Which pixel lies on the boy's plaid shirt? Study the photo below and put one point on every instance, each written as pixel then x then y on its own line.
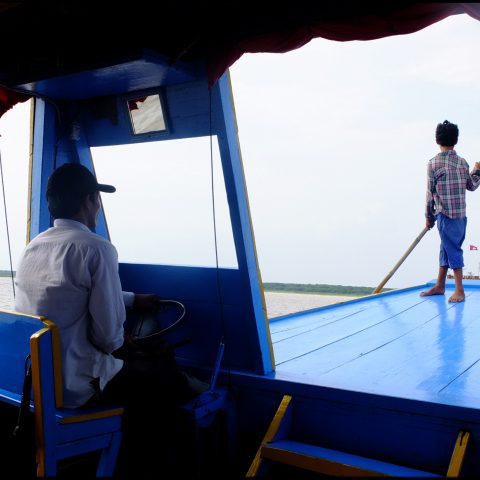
pixel 448 178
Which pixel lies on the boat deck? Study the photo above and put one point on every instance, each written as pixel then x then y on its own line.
pixel 395 344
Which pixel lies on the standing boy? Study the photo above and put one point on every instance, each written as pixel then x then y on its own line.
pixel 448 179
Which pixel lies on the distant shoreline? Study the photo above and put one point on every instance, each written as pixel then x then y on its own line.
pixel 324 294
pixel 307 288
pixel 319 289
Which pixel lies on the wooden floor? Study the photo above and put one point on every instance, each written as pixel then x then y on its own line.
pixel 395 344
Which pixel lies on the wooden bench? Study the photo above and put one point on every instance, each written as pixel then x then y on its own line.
pixel 60 433
pixel 277 447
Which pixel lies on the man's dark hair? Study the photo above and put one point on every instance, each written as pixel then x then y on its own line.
pixel 446 134
pixel 65 205
pixel 67 188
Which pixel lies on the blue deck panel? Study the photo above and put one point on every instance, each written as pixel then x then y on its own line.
pixel 396 344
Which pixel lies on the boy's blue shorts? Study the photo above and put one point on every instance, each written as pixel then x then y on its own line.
pixel 452 234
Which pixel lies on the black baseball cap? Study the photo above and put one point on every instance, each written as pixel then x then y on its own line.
pixel 76 179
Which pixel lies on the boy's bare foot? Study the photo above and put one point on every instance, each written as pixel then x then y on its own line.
pixel 433 291
pixel 457 297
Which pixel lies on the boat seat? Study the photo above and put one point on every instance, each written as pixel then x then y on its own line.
pixel 278 447
pixel 60 433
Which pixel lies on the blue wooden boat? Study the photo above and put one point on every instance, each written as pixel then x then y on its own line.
pixel 388 384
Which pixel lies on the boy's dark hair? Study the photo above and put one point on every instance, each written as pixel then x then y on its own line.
pixel 446 134
pixel 67 188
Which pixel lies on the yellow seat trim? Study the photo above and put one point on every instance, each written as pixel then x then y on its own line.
pixel 271 432
pixel 458 454
pixel 85 417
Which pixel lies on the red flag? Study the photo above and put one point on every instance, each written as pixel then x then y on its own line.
pixel 473 247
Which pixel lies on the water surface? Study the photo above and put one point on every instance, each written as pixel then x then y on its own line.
pixel 278 303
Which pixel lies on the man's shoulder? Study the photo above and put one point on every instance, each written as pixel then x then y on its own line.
pixel 90 238
pixel 72 236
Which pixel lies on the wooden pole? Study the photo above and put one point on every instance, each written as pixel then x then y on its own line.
pixel 405 255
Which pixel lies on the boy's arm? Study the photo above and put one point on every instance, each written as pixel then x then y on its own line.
pixel 430 203
pixel 473 181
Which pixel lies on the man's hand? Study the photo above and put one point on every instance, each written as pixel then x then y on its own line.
pixel 146 302
pixel 129 346
pixel 429 222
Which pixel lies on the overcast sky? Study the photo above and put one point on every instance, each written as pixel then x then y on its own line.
pixel 335 139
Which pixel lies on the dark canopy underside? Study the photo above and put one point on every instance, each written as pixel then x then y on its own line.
pixel 40 40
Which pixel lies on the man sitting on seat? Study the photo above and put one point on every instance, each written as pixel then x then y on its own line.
pixel 70 275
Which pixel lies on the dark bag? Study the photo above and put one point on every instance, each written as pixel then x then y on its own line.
pixel 22 428
pixel 19 449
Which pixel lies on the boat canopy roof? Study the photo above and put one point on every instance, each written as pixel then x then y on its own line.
pixel 44 40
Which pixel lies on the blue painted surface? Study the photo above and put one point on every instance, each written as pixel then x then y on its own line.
pixel 15 331
pixel 400 345
pixel 358 371
pixel 242 227
pixel 187 115
pixel 44 158
pixel 146 70
pixel 215 308
pixel 192 109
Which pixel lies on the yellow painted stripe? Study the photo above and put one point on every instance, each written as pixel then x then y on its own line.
pixel 265 314
pixel 20 314
pixel 264 307
pixel 30 170
pixel 38 400
pixel 57 362
pixel 315 464
pixel 458 454
pixel 112 412
pixel 271 432
pixel 40 458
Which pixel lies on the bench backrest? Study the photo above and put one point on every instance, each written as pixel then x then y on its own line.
pixel 59 433
pixel 15 332
pixel 21 335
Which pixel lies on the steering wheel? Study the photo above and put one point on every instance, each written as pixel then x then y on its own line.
pixel 144 327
